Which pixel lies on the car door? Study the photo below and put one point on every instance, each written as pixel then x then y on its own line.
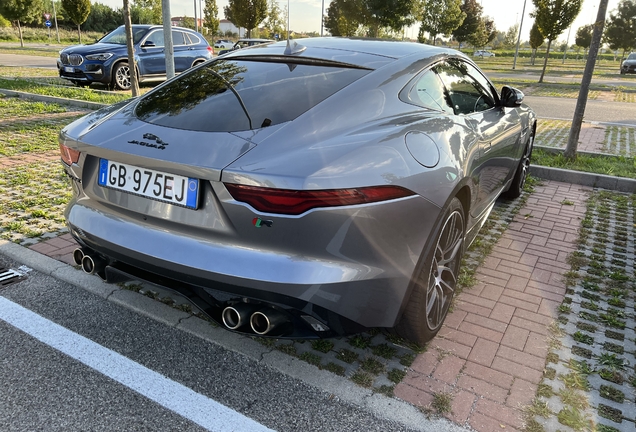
pixel 497 128
pixel 182 51
pixel 152 59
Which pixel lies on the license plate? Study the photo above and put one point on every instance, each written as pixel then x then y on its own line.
pixel 157 185
pixel 69 69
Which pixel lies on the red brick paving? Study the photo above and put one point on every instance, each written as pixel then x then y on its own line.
pixel 491 351
pixel 498 330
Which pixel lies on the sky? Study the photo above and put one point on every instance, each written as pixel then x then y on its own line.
pixel 305 15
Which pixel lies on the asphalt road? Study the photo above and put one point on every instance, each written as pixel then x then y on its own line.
pixel 27 61
pixel 71 360
pixel 595 111
pixel 617 81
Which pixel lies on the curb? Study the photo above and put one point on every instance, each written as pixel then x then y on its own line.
pixel 54 99
pixel 602 181
pixel 391 409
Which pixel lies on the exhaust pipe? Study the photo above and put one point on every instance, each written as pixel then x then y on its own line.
pixel 92 264
pixel 266 320
pixel 78 256
pixel 237 315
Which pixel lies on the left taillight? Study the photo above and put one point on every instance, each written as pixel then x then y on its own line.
pixel 295 202
pixel 69 156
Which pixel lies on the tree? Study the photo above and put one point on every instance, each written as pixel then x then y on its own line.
pixel 536 40
pixel 20 10
pixel 621 27
pixel 471 24
pixel 441 17
pixel 146 11
pixel 393 14
pixel 246 13
pixel 581 102
pixel 274 23
pixel 510 38
pixel 345 17
pixel 553 17
pixel 211 16
pixel 583 37
pixel 103 19
pixel 491 30
pixel 77 11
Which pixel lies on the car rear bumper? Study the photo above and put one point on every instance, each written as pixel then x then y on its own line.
pixel 370 294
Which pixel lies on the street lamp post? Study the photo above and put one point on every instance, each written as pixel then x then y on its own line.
pixel 514 63
pixel 322 17
pixel 567 42
pixel 196 23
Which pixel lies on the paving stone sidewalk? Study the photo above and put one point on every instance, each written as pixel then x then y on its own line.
pixel 491 351
pixel 594 137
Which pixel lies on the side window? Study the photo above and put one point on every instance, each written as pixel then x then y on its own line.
pixel 486 86
pixel 466 94
pixel 428 92
pixel 193 39
pixel 156 37
pixel 177 38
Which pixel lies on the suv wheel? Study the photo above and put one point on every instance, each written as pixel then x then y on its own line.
pixel 121 76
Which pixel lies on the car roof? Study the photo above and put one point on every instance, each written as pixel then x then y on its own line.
pixel 255 40
pixel 160 26
pixel 356 51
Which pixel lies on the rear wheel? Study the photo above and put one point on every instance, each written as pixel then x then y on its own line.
pixel 522 171
pixel 121 76
pixel 436 282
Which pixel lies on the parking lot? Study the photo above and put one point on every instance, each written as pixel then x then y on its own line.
pixel 545 325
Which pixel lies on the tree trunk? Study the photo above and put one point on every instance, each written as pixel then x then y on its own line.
pixel 545 62
pixel 79 34
pixel 579 111
pixel 134 84
pixel 20 32
pixel 534 54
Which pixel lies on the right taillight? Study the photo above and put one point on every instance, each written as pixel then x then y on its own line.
pixel 295 202
pixel 69 156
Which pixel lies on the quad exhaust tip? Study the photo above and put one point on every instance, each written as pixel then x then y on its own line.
pixel 237 315
pixel 92 264
pixel 266 320
pixel 78 256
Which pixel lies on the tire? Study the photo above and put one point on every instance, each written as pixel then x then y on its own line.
pixel 519 180
pixel 435 282
pixel 121 76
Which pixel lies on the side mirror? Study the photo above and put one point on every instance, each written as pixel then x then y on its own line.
pixel 511 97
pixel 148 44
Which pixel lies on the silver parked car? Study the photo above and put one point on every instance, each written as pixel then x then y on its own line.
pixel 301 191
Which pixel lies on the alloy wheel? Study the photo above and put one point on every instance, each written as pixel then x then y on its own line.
pixel 444 270
pixel 525 162
pixel 122 77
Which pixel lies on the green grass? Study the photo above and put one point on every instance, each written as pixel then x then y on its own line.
pixel 32 136
pixel 84 94
pixel 33 200
pixel 619 166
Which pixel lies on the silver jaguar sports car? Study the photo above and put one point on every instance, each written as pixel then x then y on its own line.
pixel 302 190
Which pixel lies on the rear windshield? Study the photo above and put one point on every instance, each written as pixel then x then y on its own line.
pixel 235 95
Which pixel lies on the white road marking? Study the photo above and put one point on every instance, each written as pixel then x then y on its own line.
pixel 167 393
